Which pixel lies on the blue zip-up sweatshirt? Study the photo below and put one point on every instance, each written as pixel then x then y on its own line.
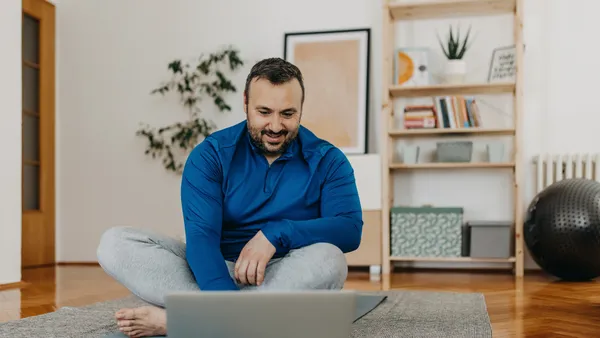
pixel 229 192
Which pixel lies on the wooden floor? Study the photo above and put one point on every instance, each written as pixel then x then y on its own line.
pixel 536 306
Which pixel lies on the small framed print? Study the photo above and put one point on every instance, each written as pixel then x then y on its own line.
pixel 411 67
pixel 503 65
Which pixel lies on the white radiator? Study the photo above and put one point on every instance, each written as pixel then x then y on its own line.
pixel 551 168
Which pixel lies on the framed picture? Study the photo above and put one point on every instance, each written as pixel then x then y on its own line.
pixel 503 65
pixel 411 67
pixel 335 67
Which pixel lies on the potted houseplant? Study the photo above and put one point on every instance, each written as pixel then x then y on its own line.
pixel 454 49
pixel 205 79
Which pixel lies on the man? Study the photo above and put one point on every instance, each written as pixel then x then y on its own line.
pixel 267 205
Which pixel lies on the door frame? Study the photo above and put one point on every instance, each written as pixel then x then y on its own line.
pixel 38 248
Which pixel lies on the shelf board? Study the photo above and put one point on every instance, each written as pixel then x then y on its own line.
pixel 465 165
pixel 453 259
pixel 452 89
pixel 451 131
pixel 450 8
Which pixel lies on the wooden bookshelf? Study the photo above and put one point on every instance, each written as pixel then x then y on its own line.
pixel 435 132
pixel 432 9
pixel 450 8
pixel 449 89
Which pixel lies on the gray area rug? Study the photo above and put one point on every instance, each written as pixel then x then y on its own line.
pixel 402 314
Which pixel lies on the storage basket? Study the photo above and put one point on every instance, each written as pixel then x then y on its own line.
pixel 489 239
pixel 459 151
pixel 426 231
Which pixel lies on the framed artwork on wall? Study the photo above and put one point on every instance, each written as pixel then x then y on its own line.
pixel 335 67
pixel 503 65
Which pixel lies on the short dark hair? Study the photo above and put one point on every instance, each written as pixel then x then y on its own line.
pixel 277 71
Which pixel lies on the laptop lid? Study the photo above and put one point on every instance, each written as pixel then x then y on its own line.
pixel 264 314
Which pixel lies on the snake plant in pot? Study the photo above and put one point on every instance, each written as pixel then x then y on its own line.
pixel 454 49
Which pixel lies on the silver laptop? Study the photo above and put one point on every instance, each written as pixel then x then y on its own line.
pixel 271 314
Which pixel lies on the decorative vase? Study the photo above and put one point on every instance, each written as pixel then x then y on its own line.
pixel 456 71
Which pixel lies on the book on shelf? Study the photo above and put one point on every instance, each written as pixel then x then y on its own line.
pixel 419 117
pixel 450 112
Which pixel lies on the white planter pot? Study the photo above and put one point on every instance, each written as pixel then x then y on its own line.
pixel 456 71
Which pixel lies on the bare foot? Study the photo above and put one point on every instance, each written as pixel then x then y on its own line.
pixel 142 321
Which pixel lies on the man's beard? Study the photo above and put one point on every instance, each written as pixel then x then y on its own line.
pixel 256 138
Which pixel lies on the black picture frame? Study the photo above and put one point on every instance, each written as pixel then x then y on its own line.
pixel 365 56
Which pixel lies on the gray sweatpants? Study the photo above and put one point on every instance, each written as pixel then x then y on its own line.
pixel 152 265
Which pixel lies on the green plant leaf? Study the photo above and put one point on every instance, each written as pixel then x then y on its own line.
pixel 175 66
pixel 464 46
pixel 442 46
pixel 451 44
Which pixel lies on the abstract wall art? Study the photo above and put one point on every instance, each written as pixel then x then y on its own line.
pixel 335 67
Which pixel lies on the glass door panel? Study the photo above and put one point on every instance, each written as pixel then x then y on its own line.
pixel 31 113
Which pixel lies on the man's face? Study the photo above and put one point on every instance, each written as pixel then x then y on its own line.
pixel 273 113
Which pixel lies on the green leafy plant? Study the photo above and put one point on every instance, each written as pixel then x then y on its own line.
pixel 454 50
pixel 204 79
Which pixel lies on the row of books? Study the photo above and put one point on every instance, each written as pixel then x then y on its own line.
pixel 445 112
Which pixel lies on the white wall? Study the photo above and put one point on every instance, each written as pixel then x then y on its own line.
pixel 108 65
pixel 572 117
pixel 10 141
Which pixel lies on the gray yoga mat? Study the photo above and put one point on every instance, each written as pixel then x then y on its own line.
pixel 365 303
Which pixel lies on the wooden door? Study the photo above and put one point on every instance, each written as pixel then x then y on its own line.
pixel 38 91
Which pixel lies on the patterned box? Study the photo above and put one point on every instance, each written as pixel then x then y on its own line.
pixel 426 231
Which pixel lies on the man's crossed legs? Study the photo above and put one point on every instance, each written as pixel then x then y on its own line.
pixel 152 265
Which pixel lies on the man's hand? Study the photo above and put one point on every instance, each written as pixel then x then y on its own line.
pixel 250 266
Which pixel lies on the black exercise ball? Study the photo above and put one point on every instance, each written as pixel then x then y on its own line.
pixel 562 229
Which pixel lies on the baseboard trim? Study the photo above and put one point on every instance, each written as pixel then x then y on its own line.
pixel 360 268
pixel 16 285
pixel 78 264
pixel 30 267
pixel 463 270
